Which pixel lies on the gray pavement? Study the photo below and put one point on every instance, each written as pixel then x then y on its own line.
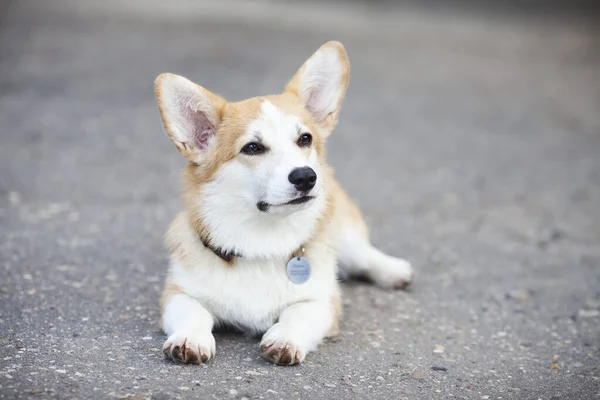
pixel 471 142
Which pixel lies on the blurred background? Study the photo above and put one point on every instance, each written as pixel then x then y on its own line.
pixel 470 137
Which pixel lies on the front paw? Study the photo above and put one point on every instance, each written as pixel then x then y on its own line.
pixel 279 349
pixel 190 348
pixel 281 352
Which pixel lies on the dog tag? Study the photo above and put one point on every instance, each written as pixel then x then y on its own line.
pixel 298 270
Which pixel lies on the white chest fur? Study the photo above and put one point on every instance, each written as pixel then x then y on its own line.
pixel 252 293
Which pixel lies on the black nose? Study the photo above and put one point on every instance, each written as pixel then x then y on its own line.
pixel 303 178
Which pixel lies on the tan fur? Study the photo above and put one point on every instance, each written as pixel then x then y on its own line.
pixel 183 243
pixel 336 308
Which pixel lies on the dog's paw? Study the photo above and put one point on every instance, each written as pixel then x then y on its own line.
pixel 190 348
pixel 279 348
pixel 281 352
pixel 394 273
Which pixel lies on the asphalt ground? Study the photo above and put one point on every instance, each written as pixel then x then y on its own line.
pixel 471 141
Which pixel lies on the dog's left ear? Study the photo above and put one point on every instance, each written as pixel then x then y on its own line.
pixel 321 84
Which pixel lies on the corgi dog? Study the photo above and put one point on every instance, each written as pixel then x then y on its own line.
pixel 264 224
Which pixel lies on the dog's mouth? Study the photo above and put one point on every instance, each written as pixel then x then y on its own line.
pixel 300 200
pixel 264 206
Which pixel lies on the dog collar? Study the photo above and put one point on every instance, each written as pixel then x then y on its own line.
pixel 226 256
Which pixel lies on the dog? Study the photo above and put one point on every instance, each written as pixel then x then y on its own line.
pixel 265 224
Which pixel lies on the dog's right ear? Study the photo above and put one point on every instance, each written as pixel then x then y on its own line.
pixel 190 114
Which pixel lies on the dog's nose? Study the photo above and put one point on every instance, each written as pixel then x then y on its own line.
pixel 303 178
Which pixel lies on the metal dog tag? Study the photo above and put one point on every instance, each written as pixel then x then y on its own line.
pixel 298 270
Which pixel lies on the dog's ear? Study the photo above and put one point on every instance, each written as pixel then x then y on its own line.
pixel 190 114
pixel 321 84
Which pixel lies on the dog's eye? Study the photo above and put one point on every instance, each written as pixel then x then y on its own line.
pixel 305 140
pixel 253 149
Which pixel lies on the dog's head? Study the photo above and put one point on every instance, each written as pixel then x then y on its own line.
pixel 261 157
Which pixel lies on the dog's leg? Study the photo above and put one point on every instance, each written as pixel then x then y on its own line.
pixel 189 327
pixel 300 329
pixel 357 256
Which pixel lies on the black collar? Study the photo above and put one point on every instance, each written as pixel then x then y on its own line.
pixel 226 256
